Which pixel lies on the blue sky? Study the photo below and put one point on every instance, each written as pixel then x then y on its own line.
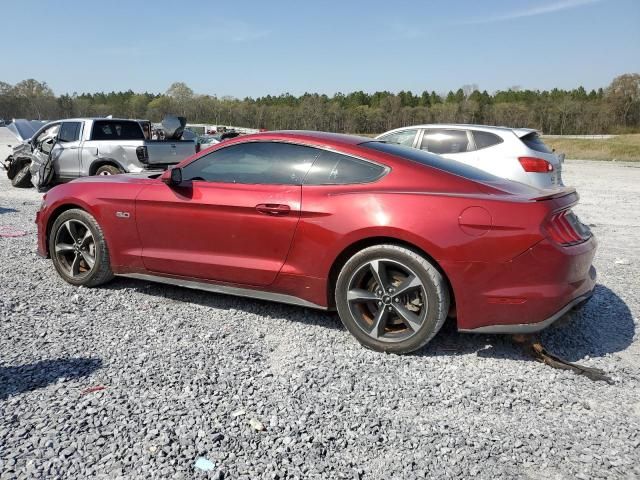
pixel 254 48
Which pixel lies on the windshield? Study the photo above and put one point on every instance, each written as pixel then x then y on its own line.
pixel 435 161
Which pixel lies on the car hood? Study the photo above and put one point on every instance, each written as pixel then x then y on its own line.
pixel 25 129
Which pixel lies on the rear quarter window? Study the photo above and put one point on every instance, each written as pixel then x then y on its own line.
pixel 485 139
pixel 430 160
pixel 534 142
pixel 116 130
pixel 331 168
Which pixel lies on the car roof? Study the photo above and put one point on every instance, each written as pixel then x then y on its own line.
pixel 98 118
pixel 520 132
pixel 308 136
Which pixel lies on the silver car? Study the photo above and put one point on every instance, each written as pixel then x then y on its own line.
pixel 515 153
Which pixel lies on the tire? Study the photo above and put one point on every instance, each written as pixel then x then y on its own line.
pixel 22 176
pixel 75 240
pixel 396 318
pixel 12 167
pixel 108 170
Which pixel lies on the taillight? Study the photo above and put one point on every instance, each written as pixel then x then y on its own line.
pixel 142 154
pixel 565 229
pixel 535 165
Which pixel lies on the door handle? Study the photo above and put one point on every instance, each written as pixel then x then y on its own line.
pixel 273 208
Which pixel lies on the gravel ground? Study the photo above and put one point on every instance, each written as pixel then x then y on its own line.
pixel 189 375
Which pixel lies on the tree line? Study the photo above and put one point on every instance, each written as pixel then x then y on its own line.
pixel 614 109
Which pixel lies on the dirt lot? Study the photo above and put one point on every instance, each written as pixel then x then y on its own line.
pixel 186 374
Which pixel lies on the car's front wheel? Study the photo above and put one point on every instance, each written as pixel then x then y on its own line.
pixel 108 170
pixel 391 298
pixel 78 249
pixel 21 174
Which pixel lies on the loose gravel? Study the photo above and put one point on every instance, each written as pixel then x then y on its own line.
pixel 139 380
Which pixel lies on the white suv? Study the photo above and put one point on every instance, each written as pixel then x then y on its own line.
pixel 518 154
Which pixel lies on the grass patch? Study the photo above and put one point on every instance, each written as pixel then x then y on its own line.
pixel 620 148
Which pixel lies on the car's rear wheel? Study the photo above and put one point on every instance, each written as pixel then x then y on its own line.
pixel 78 249
pixel 108 170
pixel 391 298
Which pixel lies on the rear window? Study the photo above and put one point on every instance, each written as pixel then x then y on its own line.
pixel 534 142
pixel 116 130
pixel 424 158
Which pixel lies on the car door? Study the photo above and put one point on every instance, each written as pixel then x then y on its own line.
pixel 456 144
pixel 66 151
pixel 43 144
pixel 233 220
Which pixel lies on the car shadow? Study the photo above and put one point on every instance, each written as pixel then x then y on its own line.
pixel 604 325
pixel 254 306
pixel 7 210
pixel 25 378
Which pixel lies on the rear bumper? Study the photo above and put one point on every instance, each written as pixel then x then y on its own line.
pixel 524 328
pixel 525 294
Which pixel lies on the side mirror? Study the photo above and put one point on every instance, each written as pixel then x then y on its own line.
pixel 173 177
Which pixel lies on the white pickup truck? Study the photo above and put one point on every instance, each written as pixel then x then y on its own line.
pixel 63 150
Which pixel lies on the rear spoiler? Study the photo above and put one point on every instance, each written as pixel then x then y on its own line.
pixel 569 192
pixel 523 132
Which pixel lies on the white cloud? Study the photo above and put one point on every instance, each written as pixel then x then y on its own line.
pixel 123 51
pixel 531 12
pixel 228 31
pixel 404 31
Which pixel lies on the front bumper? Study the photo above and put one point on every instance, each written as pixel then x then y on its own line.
pixel 41 249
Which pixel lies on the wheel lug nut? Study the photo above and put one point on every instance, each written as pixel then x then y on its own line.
pixel 379 303
pixel 390 309
pixel 396 300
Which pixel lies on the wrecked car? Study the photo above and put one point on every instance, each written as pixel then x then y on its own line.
pixel 14 137
pixel 63 150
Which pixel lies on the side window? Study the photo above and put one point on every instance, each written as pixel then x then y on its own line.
pixel 485 139
pixel 116 130
pixel 254 163
pixel 405 137
pixel 69 132
pixel 332 168
pixel 445 141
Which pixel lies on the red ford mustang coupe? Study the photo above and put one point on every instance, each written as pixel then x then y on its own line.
pixel 394 238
